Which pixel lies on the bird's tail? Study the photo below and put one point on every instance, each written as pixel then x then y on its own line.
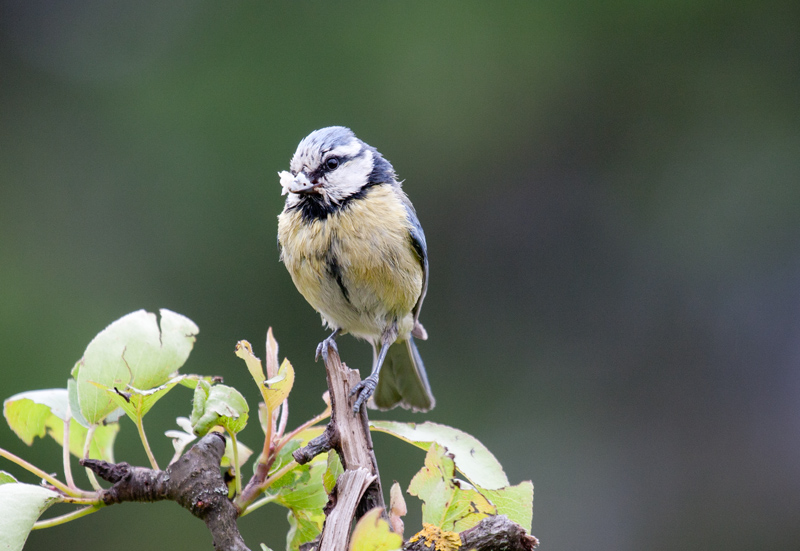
pixel 403 380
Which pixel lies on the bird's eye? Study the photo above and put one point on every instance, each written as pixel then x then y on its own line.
pixel 332 163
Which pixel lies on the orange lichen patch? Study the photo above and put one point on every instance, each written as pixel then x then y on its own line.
pixel 442 540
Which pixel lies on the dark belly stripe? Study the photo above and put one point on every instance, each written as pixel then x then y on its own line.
pixel 336 273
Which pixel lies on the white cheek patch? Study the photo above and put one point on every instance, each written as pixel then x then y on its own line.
pixel 350 177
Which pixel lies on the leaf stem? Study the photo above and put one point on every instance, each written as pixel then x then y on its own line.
pixel 257 504
pixel 310 423
pixel 245 506
pixel 40 473
pixel 143 436
pixel 238 479
pixel 63 519
pixel 283 419
pixel 66 457
pixel 277 474
pixel 267 436
pixel 87 445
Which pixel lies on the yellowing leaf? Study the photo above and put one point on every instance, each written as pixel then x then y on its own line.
pixel 516 502
pixel 276 392
pixel 446 504
pixel 372 533
pixel 6 478
pixel 245 351
pixel 275 389
pixel 467 508
pixel 28 412
pixel 433 484
pixel 471 457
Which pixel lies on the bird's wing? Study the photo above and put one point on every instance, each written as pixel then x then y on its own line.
pixel 421 248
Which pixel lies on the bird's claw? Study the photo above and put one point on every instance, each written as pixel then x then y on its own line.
pixel 364 390
pixel 323 347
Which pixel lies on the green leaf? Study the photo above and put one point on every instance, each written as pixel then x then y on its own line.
pixel 27 412
pixel 332 472
pixel 20 506
pixel 131 351
pixel 74 406
pixel 516 502
pixel 304 526
pixel 264 547
pixel 218 405
pixel 190 380
pixel 6 478
pixel 135 402
pixel 472 458
pixel 308 491
pixel 372 533
pixel 302 492
pixel 446 505
pixel 101 447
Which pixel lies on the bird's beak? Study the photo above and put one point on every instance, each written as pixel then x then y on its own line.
pixel 297 184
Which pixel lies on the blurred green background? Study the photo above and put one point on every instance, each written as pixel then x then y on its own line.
pixel 609 192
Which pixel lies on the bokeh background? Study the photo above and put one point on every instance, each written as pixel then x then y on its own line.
pixel 610 192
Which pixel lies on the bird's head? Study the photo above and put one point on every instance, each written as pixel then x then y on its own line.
pixel 332 164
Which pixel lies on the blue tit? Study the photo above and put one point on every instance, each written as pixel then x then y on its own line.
pixel 351 240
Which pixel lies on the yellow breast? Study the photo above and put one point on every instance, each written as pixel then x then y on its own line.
pixel 357 267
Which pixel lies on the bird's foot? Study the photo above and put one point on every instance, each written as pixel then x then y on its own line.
pixel 323 347
pixel 364 390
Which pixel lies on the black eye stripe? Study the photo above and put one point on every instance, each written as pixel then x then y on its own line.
pixel 343 159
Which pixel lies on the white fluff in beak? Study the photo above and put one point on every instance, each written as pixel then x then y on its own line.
pixel 295 184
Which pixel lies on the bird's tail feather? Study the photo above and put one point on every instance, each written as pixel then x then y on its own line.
pixel 403 380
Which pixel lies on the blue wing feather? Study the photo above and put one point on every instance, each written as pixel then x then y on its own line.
pixel 417 236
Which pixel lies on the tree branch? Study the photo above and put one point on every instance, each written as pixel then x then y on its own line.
pixel 194 481
pixel 347 433
pixel 495 533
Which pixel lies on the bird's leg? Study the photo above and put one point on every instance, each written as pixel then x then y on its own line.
pixel 329 342
pixel 365 388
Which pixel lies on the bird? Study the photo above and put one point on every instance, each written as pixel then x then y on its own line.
pixel 354 247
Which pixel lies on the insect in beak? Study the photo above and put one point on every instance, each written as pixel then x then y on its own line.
pixel 297 184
